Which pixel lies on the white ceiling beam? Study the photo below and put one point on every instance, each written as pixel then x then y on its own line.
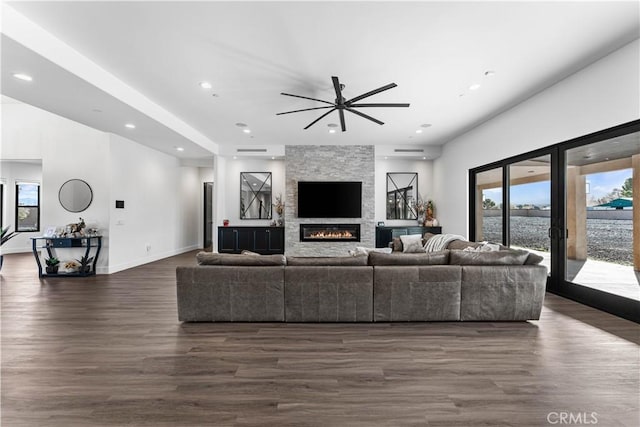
pixel 27 33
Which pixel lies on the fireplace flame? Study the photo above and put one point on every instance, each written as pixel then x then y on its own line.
pixel 330 234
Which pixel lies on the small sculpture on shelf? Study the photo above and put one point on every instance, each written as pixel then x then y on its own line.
pixel 279 207
pixel 430 220
pixel 53 264
pixel 74 229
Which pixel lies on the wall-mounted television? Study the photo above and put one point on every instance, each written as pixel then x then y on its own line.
pixel 329 199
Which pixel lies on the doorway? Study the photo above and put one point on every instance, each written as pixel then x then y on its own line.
pixel 208 217
pixel 571 203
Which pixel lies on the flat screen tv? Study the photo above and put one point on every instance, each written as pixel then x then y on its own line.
pixel 329 199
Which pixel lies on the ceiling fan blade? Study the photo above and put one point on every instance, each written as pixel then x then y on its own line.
pixel 365 116
pixel 373 92
pixel 304 109
pixel 380 105
pixel 343 125
pixel 306 97
pixel 318 119
pixel 336 86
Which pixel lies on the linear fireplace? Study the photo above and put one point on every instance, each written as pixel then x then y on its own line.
pixel 329 232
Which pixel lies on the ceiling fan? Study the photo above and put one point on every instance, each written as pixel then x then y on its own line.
pixel 341 104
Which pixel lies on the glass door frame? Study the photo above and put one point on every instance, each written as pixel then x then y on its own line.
pixel 557 283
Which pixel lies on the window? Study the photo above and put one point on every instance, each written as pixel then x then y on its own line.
pixel 27 206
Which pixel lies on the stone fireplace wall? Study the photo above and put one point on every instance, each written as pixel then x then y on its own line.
pixel 328 163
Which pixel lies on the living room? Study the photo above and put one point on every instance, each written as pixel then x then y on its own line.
pixel 575 80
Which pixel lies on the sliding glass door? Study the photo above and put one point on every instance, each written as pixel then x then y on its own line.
pixel 572 203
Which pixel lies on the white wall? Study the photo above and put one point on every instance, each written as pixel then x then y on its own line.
pixel 67 150
pixel 424 169
pixel 231 210
pixel 10 172
pixel 161 205
pixel 162 198
pixel 600 96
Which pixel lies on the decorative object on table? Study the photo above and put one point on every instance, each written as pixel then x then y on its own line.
pixel 341 104
pixel 85 264
pixel 53 264
pixel 380 223
pixel 74 229
pixel 430 220
pixel 279 207
pixel 420 208
pixel 225 222
pixel 71 266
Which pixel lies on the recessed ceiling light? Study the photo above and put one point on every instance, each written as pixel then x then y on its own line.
pixel 332 131
pixel 254 184
pixel 419 131
pixel 246 130
pixel 386 158
pixel 235 157
pixel 241 125
pixel 425 125
pixel 273 157
pixel 606 158
pixel 424 158
pixel 489 73
pixel 474 86
pixel 179 148
pixel 22 76
pixel 205 85
pixel 130 126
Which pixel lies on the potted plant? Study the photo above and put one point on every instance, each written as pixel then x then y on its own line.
pixel 6 236
pixel 52 265
pixel 85 264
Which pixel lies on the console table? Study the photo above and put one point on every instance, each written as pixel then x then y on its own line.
pixel 51 244
pixel 384 235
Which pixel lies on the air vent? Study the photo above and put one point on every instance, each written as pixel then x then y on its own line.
pixel 251 150
pixel 408 150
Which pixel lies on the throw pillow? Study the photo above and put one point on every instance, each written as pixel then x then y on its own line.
pixel 396 244
pixel 412 243
pixel 360 250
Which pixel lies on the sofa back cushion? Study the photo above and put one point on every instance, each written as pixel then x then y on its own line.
pixel 358 260
pixel 430 258
pixel 508 257
pixel 210 258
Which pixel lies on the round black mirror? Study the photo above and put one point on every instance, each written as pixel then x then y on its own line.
pixel 75 195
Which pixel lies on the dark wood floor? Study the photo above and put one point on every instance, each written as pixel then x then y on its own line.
pixel 109 350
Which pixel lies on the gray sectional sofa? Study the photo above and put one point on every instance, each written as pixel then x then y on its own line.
pixel 450 285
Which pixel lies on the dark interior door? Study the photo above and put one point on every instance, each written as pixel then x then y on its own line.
pixel 208 216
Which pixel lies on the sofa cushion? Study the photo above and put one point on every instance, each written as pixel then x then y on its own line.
pixel 431 258
pixel 411 243
pixel 211 258
pixel 509 257
pixel 533 259
pixel 328 261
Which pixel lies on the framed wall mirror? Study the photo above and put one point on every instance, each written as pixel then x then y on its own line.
pixel 402 195
pixel 255 195
pixel 75 195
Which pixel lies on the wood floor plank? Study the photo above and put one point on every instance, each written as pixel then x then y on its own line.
pixel 109 351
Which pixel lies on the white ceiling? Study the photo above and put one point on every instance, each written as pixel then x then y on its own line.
pixel 252 51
